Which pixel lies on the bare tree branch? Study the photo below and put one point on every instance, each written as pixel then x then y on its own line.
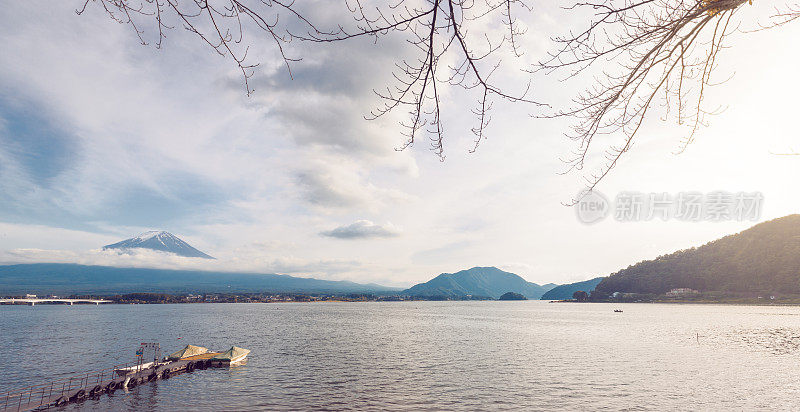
pixel 220 24
pixel 433 29
pixel 641 51
pixel 660 47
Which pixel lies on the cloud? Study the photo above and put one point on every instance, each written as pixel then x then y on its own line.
pixel 338 186
pixel 74 149
pixel 461 251
pixel 144 258
pixel 362 229
pixel 325 189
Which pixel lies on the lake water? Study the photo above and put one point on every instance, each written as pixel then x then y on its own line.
pixel 425 355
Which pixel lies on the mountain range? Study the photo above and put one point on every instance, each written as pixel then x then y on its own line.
pixel 764 259
pixel 59 278
pixel 161 241
pixel 477 282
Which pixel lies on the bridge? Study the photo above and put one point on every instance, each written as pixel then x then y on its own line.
pixel 34 301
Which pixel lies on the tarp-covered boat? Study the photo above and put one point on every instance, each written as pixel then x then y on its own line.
pixel 189 350
pixel 232 356
pixel 134 369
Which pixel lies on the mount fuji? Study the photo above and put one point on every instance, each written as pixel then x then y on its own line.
pixel 160 241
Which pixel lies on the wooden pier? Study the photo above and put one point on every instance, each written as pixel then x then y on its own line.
pixel 94 384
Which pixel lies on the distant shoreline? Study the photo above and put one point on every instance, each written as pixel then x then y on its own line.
pixel 759 302
pixel 410 299
pixel 189 298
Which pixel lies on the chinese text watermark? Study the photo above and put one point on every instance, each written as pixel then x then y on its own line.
pixel 684 206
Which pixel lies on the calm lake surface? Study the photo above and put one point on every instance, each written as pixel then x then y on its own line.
pixel 424 355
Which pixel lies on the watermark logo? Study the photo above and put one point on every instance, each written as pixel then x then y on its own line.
pixel 592 207
pixel 684 206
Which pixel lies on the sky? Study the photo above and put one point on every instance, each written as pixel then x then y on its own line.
pixel 102 138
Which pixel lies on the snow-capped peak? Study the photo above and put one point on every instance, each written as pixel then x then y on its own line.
pixel 151 234
pixel 161 241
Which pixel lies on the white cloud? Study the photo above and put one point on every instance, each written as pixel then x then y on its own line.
pixel 362 229
pixel 145 258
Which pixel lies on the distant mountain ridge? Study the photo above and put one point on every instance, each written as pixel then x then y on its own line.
pixel 161 241
pixel 562 292
pixel 762 259
pixel 478 281
pixel 60 278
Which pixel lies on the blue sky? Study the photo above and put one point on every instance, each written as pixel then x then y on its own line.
pixel 101 139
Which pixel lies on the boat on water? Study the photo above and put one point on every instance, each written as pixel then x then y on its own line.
pixel 186 352
pixel 135 368
pixel 191 354
pixel 94 383
pixel 232 357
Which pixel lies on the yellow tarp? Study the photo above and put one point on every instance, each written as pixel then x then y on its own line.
pixel 231 354
pixel 189 350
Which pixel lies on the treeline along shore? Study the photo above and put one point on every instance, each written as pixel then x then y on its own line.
pixel 164 298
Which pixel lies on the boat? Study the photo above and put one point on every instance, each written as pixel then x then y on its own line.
pixel 186 352
pixel 232 357
pixel 135 368
pixel 618 310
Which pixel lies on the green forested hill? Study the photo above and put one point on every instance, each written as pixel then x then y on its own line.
pixel 478 281
pixel 566 291
pixel 762 259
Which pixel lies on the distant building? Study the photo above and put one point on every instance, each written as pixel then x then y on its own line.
pixel 29 296
pixel 681 292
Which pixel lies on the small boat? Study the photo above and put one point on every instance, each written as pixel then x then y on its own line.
pixel 618 310
pixel 232 357
pixel 186 352
pixel 133 369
